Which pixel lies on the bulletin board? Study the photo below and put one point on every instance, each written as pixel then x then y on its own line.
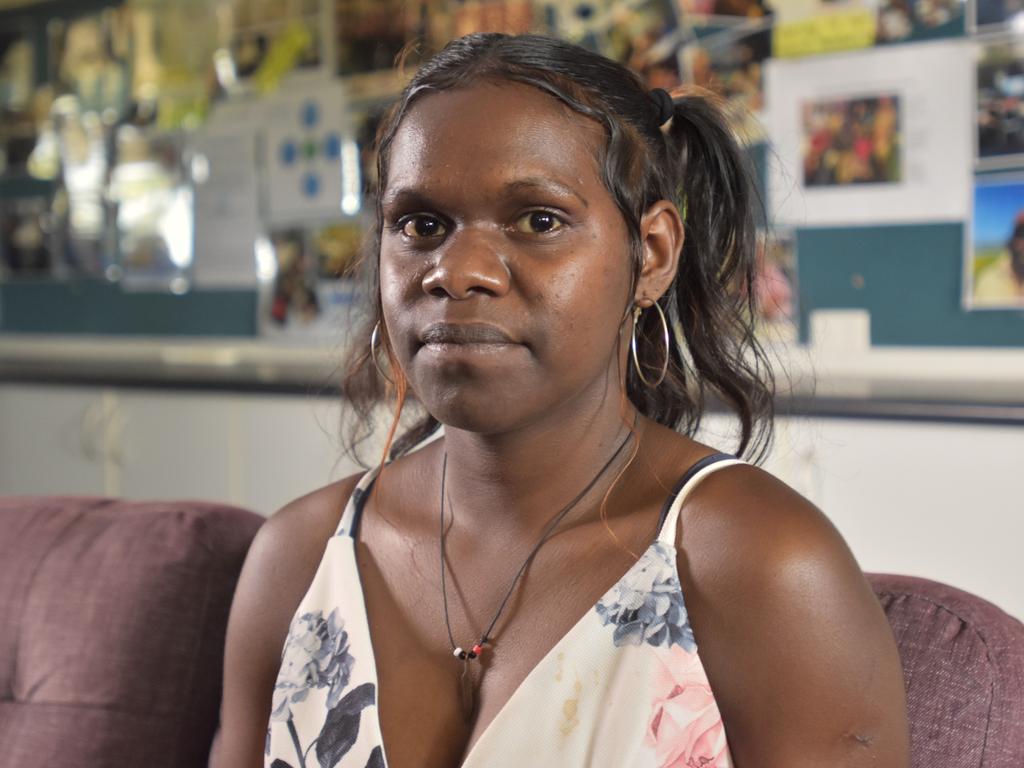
pixel 908 277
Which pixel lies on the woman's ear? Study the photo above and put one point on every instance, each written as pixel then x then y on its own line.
pixel 661 237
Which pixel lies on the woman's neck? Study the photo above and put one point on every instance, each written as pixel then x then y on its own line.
pixel 516 481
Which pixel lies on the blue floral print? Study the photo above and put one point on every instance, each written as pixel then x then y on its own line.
pixel 315 655
pixel 646 606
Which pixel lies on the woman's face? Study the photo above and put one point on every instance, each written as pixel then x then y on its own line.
pixel 1017 255
pixel 504 264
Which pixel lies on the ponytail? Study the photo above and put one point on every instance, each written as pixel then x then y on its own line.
pixel 711 301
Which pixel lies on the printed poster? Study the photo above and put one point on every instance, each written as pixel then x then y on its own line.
pixel 871 137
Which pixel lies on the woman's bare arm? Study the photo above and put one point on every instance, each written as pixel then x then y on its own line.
pixel 796 646
pixel 278 570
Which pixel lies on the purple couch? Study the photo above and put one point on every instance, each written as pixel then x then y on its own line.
pixel 112 618
pixel 963 667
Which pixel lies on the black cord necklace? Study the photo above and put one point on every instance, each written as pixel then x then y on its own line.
pixel 458 652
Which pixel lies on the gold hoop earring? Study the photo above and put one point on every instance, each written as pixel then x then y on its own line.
pixel 637 310
pixel 374 337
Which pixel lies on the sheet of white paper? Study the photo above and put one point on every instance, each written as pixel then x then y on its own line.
pixel 932 83
pixel 307 157
pixel 227 202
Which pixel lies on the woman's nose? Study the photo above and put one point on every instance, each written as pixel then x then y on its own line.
pixel 469 263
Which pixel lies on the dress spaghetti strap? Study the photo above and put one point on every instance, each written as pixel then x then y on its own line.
pixel 687 483
pixel 354 507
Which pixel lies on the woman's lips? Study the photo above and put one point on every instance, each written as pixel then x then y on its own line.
pixel 455 338
pixel 464 334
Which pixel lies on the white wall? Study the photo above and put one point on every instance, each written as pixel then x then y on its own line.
pixel 943 501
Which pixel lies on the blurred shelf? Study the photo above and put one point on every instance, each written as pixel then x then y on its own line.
pixel 961 385
pixel 154 362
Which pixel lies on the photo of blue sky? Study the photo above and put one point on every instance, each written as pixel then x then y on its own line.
pixel 996 206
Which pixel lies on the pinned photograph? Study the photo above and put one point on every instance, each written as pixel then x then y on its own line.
pixel 643 34
pixel 775 287
pixel 996 15
pixel 901 21
pixel 865 138
pixel 511 17
pixel 312 293
pixel 995 264
pixel 751 9
pixel 732 66
pixel 1000 105
pixel 852 141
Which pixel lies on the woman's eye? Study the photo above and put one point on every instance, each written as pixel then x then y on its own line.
pixel 422 226
pixel 538 222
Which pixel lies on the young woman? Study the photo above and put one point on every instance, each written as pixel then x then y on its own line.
pixel 565 577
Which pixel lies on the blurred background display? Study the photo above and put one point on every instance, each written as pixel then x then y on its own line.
pixel 186 186
pixel 202 148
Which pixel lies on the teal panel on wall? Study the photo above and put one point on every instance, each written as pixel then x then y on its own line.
pixel 908 277
pixel 96 307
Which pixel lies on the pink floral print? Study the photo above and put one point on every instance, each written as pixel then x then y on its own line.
pixel 686 728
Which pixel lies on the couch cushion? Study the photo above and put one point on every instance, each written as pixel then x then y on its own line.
pixel 112 636
pixel 963 665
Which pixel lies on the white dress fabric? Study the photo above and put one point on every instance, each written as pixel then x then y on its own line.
pixel 624 688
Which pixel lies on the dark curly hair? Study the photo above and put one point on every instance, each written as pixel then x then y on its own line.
pixel 695 161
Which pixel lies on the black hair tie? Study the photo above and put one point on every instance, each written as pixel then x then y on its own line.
pixel 664 104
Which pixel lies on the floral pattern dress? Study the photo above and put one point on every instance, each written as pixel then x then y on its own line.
pixel 623 688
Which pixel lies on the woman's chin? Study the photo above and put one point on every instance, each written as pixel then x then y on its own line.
pixel 479 414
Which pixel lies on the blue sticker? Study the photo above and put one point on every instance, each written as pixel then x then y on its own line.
pixel 310 114
pixel 289 152
pixel 311 185
pixel 332 146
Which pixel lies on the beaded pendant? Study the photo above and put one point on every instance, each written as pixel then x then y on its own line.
pixel 473 653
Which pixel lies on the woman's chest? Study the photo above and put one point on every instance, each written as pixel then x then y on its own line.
pixel 366 682
pixel 433 707
pixel 432 703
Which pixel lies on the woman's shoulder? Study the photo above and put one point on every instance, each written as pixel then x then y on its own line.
pixel 750 540
pixel 283 559
pixel 278 570
pixel 299 531
pixel 743 506
pixel 790 632
pixel 288 548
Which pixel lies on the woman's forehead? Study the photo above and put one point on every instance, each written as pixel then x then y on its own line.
pixel 465 133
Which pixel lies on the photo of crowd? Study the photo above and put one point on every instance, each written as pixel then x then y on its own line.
pixel 852 141
pixel 1001 104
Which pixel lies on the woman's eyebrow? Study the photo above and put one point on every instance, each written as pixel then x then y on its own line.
pixel 406 196
pixel 533 183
